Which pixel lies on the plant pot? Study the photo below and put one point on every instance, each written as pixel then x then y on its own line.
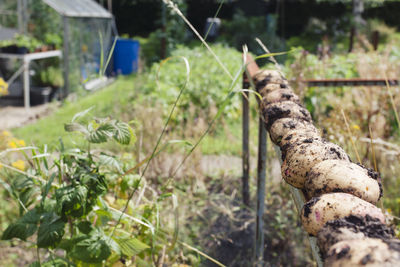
pixel 11 101
pixel 55 93
pixel 7 67
pixel 22 50
pixel 40 95
pixel 45 48
pixel 11 49
pixel 16 89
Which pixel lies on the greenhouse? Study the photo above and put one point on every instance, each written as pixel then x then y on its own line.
pixel 81 30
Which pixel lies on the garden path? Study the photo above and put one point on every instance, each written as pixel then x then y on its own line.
pixel 14 117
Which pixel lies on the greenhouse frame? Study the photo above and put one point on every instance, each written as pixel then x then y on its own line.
pixel 84 27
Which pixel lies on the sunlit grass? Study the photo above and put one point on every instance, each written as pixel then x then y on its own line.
pixel 50 129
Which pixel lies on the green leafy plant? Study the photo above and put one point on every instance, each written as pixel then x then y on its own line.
pixel 22 40
pixel 71 201
pixel 208 84
pixel 52 76
pixel 53 39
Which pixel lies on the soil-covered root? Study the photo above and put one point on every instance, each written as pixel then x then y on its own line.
pixel 297 138
pixel 285 109
pixel 291 127
pixel 342 176
pixel 369 252
pixel 265 77
pixel 332 206
pixel 349 228
pixel 280 95
pixel 272 87
pixel 300 158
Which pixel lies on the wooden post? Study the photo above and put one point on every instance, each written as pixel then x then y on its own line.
pixel 245 142
pixel 351 42
pixel 375 39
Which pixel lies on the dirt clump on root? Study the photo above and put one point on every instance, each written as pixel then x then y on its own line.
pixel 285 109
pixel 374 175
pixel 308 205
pixel 354 227
pixel 291 142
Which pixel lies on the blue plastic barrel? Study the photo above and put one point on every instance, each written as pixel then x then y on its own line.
pixel 126 56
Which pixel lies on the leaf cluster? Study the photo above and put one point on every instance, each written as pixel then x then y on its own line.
pixel 208 84
pixel 70 201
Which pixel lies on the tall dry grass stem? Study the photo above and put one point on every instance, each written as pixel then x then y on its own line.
pixel 202 254
pixel 182 89
pixel 215 16
pixel 351 137
pixel 396 114
pixel 174 7
pixel 372 148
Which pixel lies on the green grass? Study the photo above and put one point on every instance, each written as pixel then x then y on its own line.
pixel 228 140
pixel 110 101
pixel 117 100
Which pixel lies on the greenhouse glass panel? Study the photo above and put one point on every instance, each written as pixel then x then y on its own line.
pixel 82 28
pixel 78 8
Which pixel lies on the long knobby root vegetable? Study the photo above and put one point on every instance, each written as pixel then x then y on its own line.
pixel 300 158
pixel 267 77
pixel 364 252
pixel 353 229
pixel 349 228
pixel 320 210
pixel 285 109
pixel 293 140
pixel 343 176
pixel 289 127
pixel 280 95
pixel 269 88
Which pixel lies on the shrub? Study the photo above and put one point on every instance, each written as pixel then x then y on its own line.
pixel 208 84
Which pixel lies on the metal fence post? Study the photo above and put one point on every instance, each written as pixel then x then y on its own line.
pixel 245 142
pixel 251 70
pixel 261 178
pixel 65 92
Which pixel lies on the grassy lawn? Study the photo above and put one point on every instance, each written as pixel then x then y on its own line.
pixel 110 101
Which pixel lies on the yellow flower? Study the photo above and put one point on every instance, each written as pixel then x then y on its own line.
pixel 6 133
pixel 19 164
pixel 3 87
pixel 15 143
pixel 12 144
pixel 389 210
pixel 356 127
pixel 21 143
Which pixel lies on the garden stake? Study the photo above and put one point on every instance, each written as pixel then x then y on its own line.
pixel 261 173
pixel 245 142
pixel 251 70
